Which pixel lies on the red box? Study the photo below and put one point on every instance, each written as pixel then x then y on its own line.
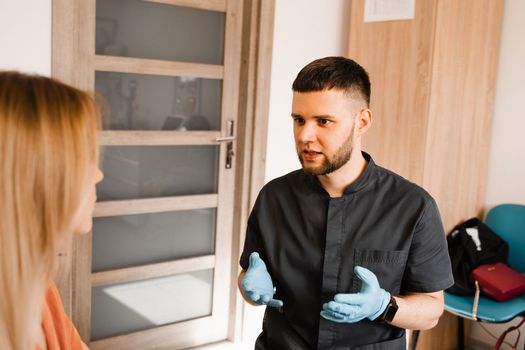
pixel 499 281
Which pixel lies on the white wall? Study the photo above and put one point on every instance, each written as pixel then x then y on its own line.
pixel 506 174
pixel 507 153
pixel 25 35
pixel 304 30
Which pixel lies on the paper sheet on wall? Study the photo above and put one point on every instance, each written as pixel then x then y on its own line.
pixel 389 10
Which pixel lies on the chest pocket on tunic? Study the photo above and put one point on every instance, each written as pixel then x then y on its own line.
pixel 387 265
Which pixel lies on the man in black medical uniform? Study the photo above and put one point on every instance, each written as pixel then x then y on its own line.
pixel 344 253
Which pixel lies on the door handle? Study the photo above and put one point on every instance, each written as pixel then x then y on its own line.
pixel 225 139
pixel 229 144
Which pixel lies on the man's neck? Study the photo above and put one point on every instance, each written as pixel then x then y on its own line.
pixel 336 182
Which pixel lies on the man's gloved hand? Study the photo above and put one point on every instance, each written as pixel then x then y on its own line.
pixel 257 283
pixel 369 303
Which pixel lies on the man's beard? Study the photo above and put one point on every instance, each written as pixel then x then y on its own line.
pixel 340 158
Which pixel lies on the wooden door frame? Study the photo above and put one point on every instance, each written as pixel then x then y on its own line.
pixel 73 42
pixel 254 97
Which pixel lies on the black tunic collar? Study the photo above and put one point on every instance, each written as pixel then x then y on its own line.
pixel 362 181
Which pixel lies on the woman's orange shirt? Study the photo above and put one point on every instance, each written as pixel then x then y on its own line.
pixel 59 331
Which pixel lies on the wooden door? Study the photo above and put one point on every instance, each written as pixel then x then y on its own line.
pixel 159 259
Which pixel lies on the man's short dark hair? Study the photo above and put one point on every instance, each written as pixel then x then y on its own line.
pixel 334 72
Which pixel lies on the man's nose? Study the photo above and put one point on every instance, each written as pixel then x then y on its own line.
pixel 307 133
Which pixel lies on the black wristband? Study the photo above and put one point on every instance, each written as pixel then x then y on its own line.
pixel 390 311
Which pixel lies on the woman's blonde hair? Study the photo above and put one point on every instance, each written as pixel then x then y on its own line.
pixel 48 146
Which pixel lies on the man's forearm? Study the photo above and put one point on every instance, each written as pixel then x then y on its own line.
pixel 419 311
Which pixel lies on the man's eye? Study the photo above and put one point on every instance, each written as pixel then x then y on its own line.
pixel 299 120
pixel 324 121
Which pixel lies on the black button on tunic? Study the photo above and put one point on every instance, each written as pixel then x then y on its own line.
pixel 311 243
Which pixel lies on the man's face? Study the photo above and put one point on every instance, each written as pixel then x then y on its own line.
pixel 324 123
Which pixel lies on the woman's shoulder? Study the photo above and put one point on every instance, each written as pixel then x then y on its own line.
pixel 59 331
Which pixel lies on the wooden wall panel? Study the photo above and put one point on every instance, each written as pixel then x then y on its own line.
pixel 461 105
pixel 397 56
pixel 433 82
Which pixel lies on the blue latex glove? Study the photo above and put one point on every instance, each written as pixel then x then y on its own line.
pixel 369 303
pixel 257 283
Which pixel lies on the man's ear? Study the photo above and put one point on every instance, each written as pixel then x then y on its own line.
pixel 363 121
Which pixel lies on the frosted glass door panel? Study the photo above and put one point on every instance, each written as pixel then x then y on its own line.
pixel 133 28
pixel 155 102
pixel 124 308
pixel 131 240
pixel 132 172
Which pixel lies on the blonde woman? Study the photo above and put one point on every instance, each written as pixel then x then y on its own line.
pixel 48 172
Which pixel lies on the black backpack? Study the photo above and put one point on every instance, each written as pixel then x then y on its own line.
pixel 466 254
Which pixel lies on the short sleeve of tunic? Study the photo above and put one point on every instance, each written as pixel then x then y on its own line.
pixel 428 267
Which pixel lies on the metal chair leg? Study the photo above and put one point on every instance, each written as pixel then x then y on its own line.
pixel 413 341
pixel 461 334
